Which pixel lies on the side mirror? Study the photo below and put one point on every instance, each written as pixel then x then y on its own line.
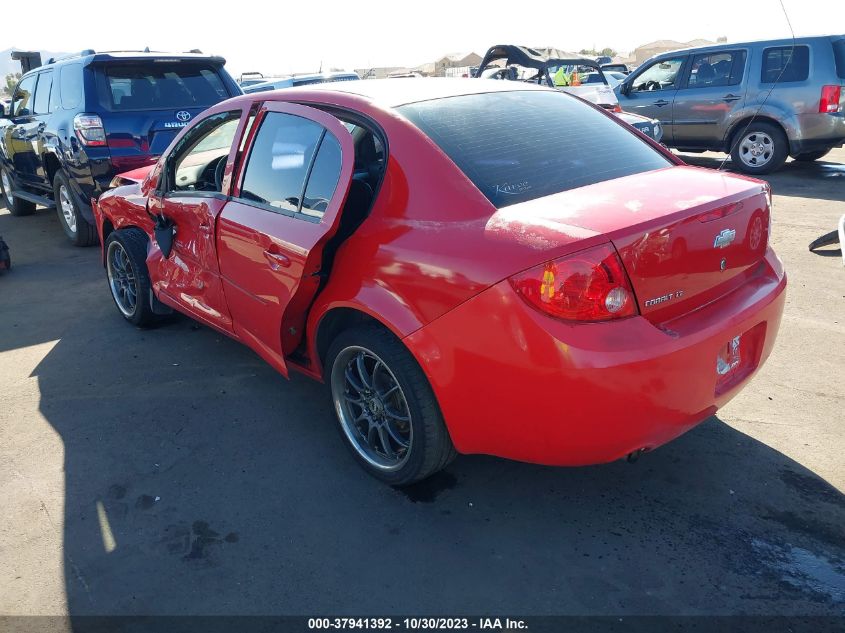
pixel 625 87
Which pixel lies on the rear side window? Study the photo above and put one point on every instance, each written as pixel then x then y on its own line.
pixel 839 56
pixel 518 146
pixel 716 69
pixel 785 64
pixel 279 161
pixel 70 80
pixel 159 85
pixel 323 179
pixel 42 93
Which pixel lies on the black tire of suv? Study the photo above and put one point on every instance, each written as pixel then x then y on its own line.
pixel 85 233
pixel 779 154
pixel 431 447
pixel 809 157
pixel 16 206
pixel 134 244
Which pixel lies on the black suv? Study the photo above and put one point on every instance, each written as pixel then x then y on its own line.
pixel 78 121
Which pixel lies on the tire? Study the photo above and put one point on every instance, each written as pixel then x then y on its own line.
pixel 16 206
pixel 399 386
pixel 809 157
pixel 126 272
pixel 759 148
pixel 75 226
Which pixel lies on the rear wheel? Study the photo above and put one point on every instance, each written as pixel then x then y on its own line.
pixel 76 227
pixel 129 280
pixel 15 205
pixel 809 157
pixel 386 409
pixel 760 148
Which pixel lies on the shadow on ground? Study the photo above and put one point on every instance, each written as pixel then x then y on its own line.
pixel 199 481
pixel 822 179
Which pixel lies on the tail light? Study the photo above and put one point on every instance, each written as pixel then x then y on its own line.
pixel 829 102
pixel 590 285
pixel 616 108
pixel 89 130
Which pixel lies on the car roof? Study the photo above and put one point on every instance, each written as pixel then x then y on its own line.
pixel 91 56
pixel 392 93
pixel 786 41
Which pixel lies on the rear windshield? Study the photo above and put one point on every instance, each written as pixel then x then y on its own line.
pixel 517 146
pixel 839 56
pixel 160 85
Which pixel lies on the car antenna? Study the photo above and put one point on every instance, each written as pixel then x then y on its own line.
pixel 739 136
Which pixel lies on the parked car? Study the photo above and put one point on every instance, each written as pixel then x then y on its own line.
pixel 759 101
pixel 301 80
pixel 612 78
pixel 520 63
pixel 462 280
pixel 619 68
pixel 79 120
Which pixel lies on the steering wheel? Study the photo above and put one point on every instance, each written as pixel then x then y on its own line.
pixel 218 173
pixel 652 85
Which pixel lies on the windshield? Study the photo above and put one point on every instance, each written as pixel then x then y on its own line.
pixel 521 145
pixel 160 85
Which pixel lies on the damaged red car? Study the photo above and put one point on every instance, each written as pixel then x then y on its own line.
pixel 471 267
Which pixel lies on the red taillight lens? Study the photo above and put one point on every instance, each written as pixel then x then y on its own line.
pixel 89 130
pixel 616 108
pixel 590 285
pixel 829 102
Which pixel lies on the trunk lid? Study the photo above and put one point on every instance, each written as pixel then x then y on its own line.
pixel 686 235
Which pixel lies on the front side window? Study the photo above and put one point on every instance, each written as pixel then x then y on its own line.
pixel 280 160
pixel 201 156
pixel 662 75
pixel 716 69
pixel 160 85
pixel 521 145
pixel 22 104
pixel 42 93
pixel 785 64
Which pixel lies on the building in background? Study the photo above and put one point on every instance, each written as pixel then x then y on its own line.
pixel 642 53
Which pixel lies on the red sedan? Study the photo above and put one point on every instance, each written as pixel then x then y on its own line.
pixel 473 267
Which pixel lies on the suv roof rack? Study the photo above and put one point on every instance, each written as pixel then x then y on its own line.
pixel 83 53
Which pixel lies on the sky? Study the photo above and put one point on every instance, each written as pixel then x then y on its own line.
pixel 282 37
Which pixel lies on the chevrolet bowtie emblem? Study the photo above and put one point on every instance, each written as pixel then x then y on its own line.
pixel 724 238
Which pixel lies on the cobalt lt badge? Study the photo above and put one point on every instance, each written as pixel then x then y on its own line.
pixel 183 116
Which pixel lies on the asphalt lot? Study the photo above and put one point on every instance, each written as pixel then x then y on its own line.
pixel 170 471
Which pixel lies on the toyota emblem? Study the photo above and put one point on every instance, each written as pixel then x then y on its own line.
pixel 183 115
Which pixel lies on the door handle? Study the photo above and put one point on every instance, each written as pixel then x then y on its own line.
pixel 730 97
pixel 277 260
pixel 661 102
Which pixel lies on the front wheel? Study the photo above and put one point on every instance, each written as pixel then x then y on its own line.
pixel 385 406
pixel 16 205
pixel 759 149
pixel 76 227
pixel 129 280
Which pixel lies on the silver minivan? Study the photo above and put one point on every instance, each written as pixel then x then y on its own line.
pixel 759 101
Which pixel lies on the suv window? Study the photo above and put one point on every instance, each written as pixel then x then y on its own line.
pixel 724 68
pixel 201 150
pixel 42 93
pixel 23 96
pixel 782 64
pixel 839 56
pixel 70 81
pixel 522 145
pixel 279 161
pixel 323 178
pixel 159 85
pixel 661 75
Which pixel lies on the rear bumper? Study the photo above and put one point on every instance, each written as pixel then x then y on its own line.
pixel 514 383
pixel 818 132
